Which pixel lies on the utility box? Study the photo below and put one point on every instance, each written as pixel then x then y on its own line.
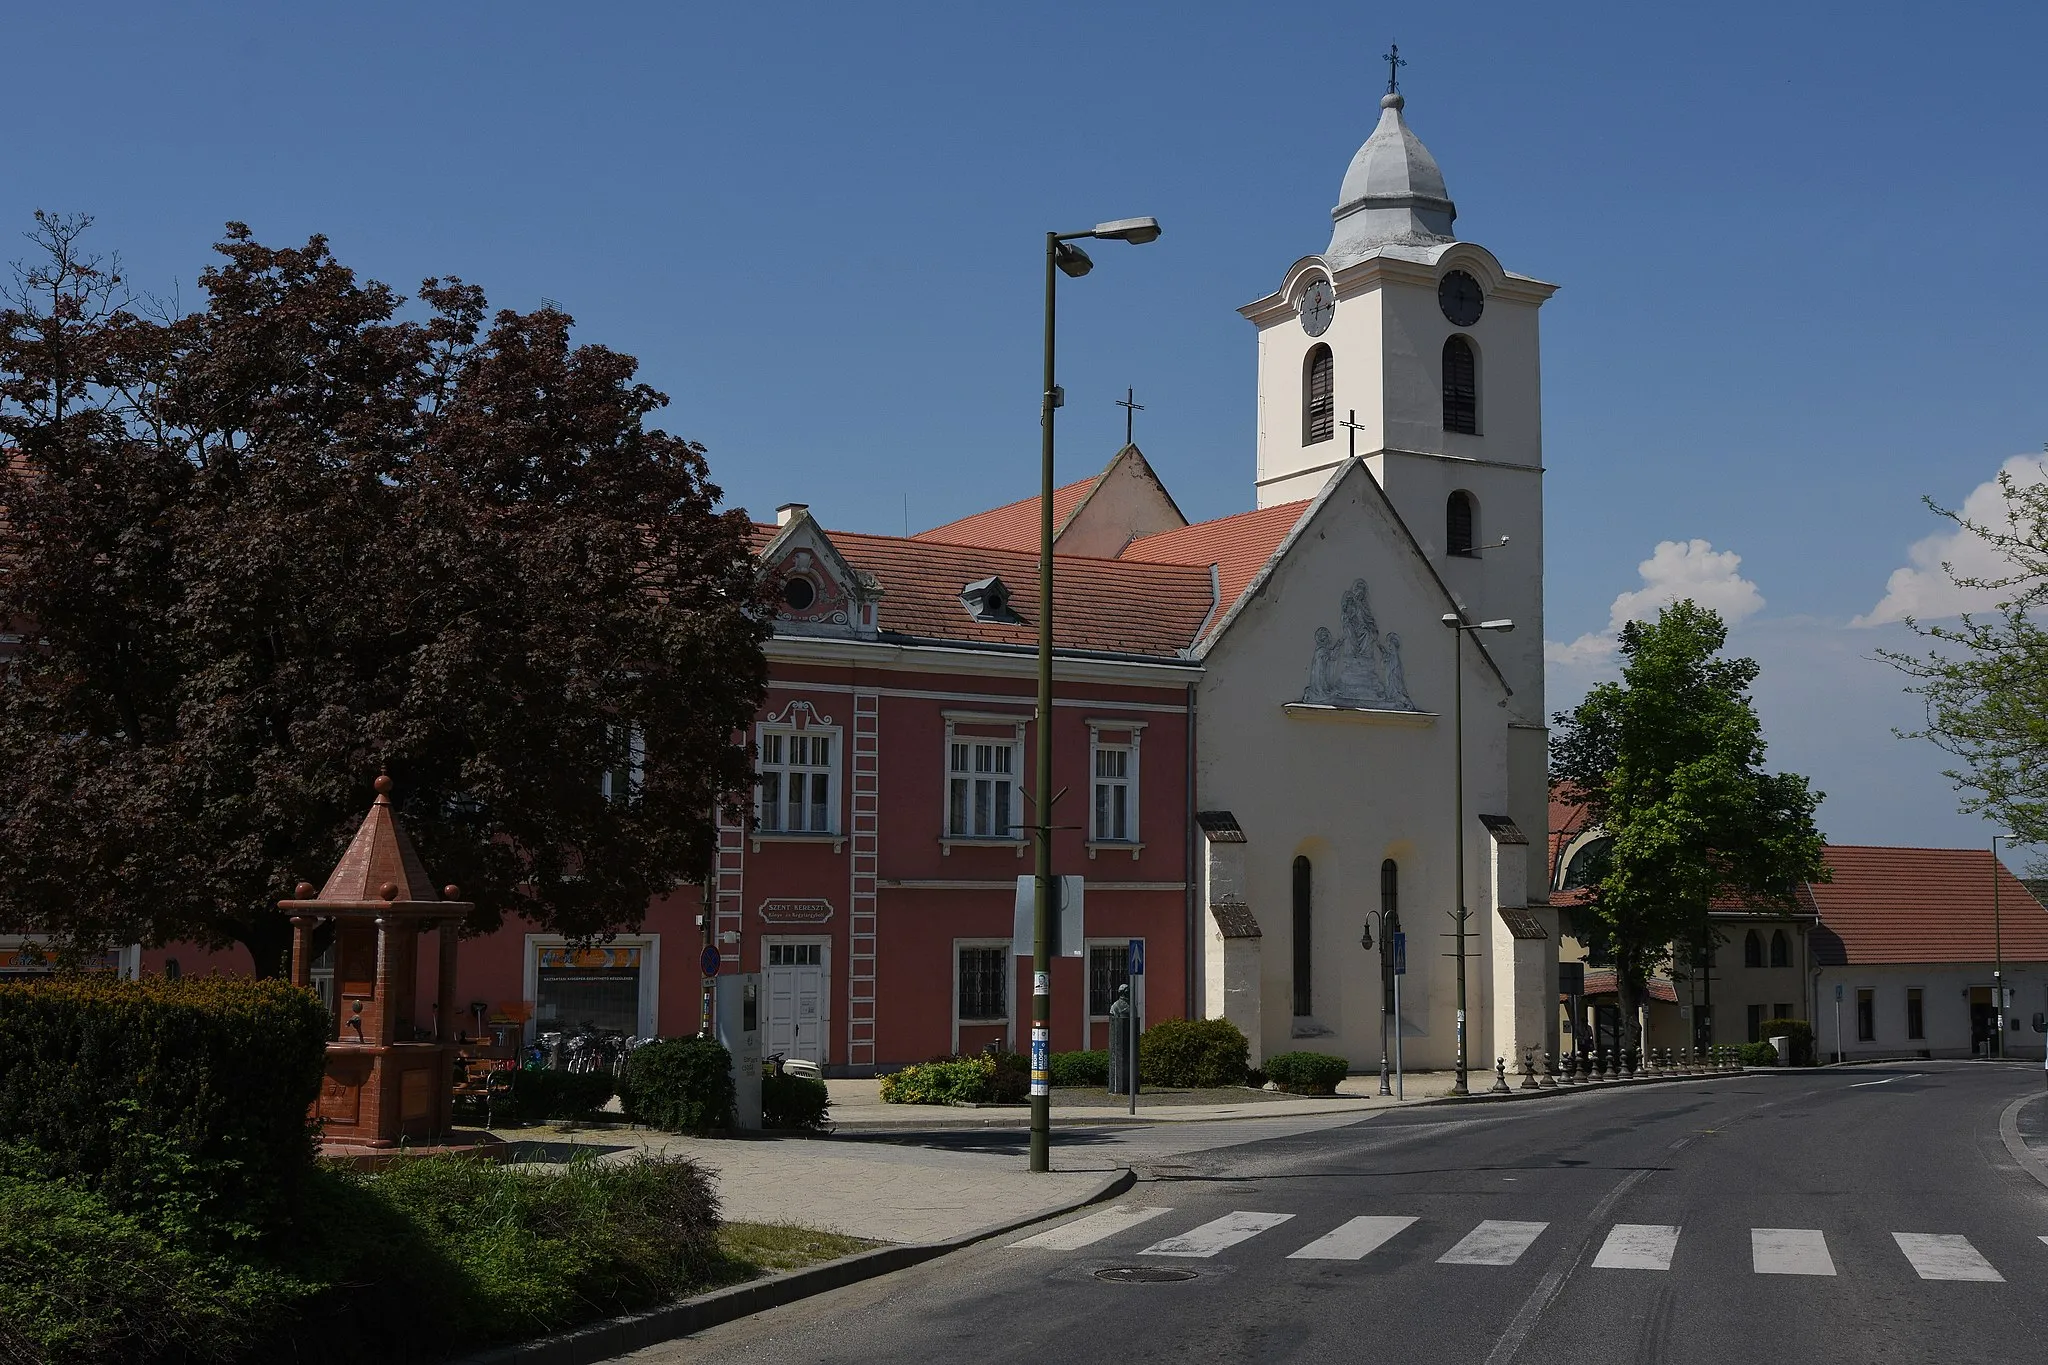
pixel 739 1030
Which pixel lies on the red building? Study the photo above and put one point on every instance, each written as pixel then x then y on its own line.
pixel 875 880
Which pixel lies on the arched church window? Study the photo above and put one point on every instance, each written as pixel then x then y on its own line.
pixel 1461 387
pixel 1781 950
pixel 1318 397
pixel 1390 896
pixel 1752 950
pixel 1458 520
pixel 1302 924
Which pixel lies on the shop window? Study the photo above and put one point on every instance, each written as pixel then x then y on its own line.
pixel 588 990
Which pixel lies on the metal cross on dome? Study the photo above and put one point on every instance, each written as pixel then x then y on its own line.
pixel 1395 61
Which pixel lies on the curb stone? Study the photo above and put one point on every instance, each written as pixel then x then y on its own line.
pixel 2016 1145
pixel 600 1341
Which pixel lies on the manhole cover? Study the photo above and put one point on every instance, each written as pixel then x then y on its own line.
pixel 1143 1274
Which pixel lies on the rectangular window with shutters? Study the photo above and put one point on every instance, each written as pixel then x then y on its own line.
pixel 1866 1016
pixel 799 782
pixel 1107 964
pixel 981 789
pixel 1916 1014
pixel 984 984
pixel 1116 783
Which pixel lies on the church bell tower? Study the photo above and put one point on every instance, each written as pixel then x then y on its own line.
pixel 1417 353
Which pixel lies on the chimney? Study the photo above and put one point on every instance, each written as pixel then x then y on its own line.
pixel 790 511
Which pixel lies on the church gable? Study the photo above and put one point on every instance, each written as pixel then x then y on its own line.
pixel 1126 502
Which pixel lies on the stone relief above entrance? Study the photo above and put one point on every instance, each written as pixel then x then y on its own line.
pixel 1360 668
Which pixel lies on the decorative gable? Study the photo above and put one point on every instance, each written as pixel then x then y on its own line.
pixel 817 591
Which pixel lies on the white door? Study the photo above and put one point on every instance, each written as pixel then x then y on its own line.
pixel 796 1000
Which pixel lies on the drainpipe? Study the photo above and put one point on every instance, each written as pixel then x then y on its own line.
pixel 1192 835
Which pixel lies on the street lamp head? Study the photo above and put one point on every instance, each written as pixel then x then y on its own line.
pixel 1365 936
pixel 1072 261
pixel 1501 625
pixel 1452 619
pixel 1136 231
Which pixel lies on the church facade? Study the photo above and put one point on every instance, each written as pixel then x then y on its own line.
pixel 1260 720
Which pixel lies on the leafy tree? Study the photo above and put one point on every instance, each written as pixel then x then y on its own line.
pixel 1984 679
pixel 1668 762
pixel 259 551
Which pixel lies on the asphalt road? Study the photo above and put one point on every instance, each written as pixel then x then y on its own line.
pixel 1862 1214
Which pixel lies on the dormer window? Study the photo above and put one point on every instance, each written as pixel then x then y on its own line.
pixel 988 599
pixel 799 593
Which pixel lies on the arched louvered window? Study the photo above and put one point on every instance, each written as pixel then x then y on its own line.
pixel 1781 950
pixel 1458 519
pixel 1461 387
pixel 1752 950
pixel 1318 397
pixel 1303 960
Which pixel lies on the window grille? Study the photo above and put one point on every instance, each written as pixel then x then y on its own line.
pixel 984 984
pixel 1107 965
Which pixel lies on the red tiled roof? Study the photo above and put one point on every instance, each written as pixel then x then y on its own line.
pixel 1015 525
pixel 1923 905
pixel 1239 546
pixel 1098 604
pixel 1602 982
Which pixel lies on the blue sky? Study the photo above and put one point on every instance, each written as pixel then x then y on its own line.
pixel 1798 247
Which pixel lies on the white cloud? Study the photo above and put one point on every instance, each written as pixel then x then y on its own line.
pixel 1923 589
pixel 1676 570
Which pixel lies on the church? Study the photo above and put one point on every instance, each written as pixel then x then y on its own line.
pixel 1259 721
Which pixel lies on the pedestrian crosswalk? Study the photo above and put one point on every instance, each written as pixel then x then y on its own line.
pixel 1492 1242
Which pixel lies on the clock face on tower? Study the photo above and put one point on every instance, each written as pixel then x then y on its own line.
pixel 1461 298
pixel 1316 306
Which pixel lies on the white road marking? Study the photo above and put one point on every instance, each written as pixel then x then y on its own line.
pixel 1638 1246
pixel 1789 1251
pixel 1945 1256
pixel 1217 1234
pixel 1092 1229
pixel 1353 1240
pixel 1494 1242
pixel 1887 1080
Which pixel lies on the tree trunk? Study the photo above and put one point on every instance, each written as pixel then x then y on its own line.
pixel 268 937
pixel 1628 992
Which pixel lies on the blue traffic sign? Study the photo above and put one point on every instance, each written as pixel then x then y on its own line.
pixel 1134 961
pixel 1400 954
pixel 709 962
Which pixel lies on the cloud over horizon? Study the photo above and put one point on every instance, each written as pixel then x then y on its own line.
pixel 1676 570
pixel 1923 589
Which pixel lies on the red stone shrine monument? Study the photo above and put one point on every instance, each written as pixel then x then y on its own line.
pixel 384 1087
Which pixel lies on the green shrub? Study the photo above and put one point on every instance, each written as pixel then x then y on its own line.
pixel 81 1282
pixel 1193 1053
pixel 794 1102
pixel 958 1080
pixel 181 1102
pixel 1757 1054
pixel 1080 1068
pixel 1010 1082
pixel 1799 1031
pixel 680 1085
pixel 1307 1073
pixel 539 1095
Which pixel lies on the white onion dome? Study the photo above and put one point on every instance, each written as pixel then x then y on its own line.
pixel 1392 193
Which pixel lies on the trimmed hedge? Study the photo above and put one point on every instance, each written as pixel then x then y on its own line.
pixel 1799 1031
pixel 794 1102
pixel 1196 1054
pixel 539 1095
pixel 1757 1054
pixel 184 1102
pixel 985 1078
pixel 1307 1073
pixel 1080 1069
pixel 680 1085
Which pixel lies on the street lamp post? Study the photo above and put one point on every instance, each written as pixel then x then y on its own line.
pixel 1458 625
pixel 1389 992
pixel 1997 951
pixel 1061 258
